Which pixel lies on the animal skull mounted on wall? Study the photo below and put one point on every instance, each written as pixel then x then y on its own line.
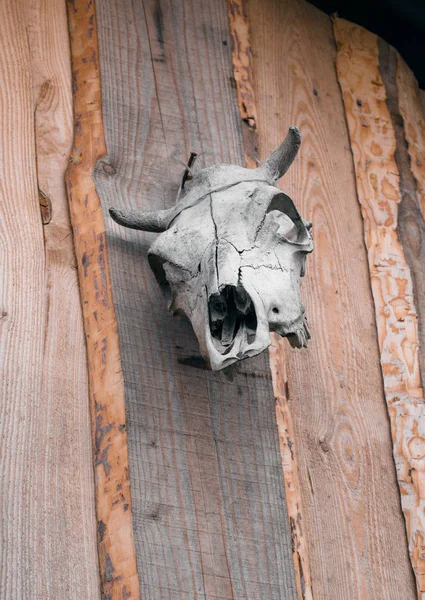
pixel 230 257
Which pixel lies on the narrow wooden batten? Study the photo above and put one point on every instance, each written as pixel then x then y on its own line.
pixel 117 557
pixel 380 124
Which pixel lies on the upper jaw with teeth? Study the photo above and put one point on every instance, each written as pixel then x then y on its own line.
pixel 300 337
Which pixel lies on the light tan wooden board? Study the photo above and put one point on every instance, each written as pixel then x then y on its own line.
pixel 342 435
pixel 48 548
pixel 208 493
pixel 367 72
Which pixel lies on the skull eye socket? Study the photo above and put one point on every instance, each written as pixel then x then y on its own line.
pixel 290 225
pixel 230 311
pixel 287 229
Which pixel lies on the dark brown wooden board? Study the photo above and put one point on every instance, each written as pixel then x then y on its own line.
pixel 210 518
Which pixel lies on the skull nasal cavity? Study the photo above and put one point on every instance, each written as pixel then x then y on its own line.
pixel 230 311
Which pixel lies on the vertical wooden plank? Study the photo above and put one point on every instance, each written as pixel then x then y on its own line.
pixel 288 452
pixel 244 78
pixel 410 221
pixel 335 394
pixel 412 111
pixel 409 127
pixel 367 75
pixel 48 530
pixel 117 560
pixel 209 502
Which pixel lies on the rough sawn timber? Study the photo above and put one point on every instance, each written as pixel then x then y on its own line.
pixel 117 559
pixel 244 77
pixel 288 452
pixel 48 530
pixel 210 518
pixel 335 394
pixel 384 182
pixel 422 100
pixel 411 103
pixel 409 125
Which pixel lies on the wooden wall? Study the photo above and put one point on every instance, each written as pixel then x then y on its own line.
pixel 303 475
pixel 48 531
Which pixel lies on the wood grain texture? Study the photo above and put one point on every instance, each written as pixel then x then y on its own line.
pixel 409 126
pixel 335 395
pixel 48 530
pixel 413 114
pixel 410 223
pixel 117 559
pixel 244 78
pixel 210 518
pixel 288 452
pixel 375 153
pixel 422 100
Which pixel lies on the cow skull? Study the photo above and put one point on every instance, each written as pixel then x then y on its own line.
pixel 230 257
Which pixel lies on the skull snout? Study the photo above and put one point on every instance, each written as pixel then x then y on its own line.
pixel 286 317
pixel 288 320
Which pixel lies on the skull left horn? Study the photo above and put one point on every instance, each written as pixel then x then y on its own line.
pixel 231 255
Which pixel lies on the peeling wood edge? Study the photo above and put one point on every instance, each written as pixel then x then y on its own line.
pixel 244 78
pixel 117 556
pixel 245 88
pixel 290 470
pixel 388 60
pixel 402 388
pixel 390 69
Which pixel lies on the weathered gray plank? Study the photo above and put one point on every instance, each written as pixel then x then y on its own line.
pixel 208 495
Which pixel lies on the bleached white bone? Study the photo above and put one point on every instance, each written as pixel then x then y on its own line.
pixel 230 257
